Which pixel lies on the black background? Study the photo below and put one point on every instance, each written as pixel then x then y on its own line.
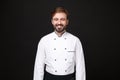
pixel 95 22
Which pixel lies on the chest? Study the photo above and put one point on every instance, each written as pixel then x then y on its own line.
pixel 60 48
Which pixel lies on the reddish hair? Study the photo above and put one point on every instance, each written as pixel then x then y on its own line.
pixel 59 10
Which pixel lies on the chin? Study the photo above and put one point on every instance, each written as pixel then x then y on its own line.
pixel 59 31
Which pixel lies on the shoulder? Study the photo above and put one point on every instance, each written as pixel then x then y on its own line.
pixel 75 39
pixel 46 37
pixel 72 36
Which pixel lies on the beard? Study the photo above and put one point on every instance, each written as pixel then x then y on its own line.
pixel 59 28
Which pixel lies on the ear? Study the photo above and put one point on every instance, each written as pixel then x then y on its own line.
pixel 52 21
pixel 67 21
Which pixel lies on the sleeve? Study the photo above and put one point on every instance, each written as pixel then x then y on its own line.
pixel 39 62
pixel 80 63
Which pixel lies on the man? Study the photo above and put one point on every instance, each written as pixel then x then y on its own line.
pixel 60 54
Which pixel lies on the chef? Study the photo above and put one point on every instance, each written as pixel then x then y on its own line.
pixel 59 54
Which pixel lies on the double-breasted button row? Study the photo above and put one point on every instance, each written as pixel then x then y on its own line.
pixel 56 59
pixel 64 48
pixel 64 59
pixel 64 38
pixel 57 71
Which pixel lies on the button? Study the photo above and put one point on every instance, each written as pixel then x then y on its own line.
pixel 65 70
pixel 54 38
pixel 65 48
pixel 65 38
pixel 65 59
pixel 55 70
pixel 55 59
pixel 54 48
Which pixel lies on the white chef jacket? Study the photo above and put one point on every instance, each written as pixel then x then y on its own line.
pixel 61 56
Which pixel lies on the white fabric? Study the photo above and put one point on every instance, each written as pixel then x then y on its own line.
pixel 61 55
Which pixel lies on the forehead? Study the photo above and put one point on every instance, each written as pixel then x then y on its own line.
pixel 60 15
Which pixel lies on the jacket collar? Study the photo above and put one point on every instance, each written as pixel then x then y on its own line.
pixel 63 35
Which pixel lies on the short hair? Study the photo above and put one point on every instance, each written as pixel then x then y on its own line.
pixel 59 10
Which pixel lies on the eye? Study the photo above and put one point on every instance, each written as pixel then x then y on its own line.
pixel 55 19
pixel 63 19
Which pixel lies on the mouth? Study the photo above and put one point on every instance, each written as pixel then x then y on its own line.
pixel 59 29
pixel 59 25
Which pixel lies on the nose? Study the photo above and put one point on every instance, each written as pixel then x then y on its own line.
pixel 59 21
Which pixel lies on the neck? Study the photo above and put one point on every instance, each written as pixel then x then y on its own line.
pixel 60 33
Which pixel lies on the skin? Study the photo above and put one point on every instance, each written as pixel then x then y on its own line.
pixel 59 22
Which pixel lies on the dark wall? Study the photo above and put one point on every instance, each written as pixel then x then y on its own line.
pixel 95 22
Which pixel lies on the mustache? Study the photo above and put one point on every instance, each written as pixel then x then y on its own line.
pixel 59 25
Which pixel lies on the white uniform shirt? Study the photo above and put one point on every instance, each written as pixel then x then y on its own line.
pixel 61 55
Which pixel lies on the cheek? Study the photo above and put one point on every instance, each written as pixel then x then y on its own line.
pixel 65 23
pixel 53 23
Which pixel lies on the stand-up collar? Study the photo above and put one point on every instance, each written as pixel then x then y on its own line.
pixel 63 35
